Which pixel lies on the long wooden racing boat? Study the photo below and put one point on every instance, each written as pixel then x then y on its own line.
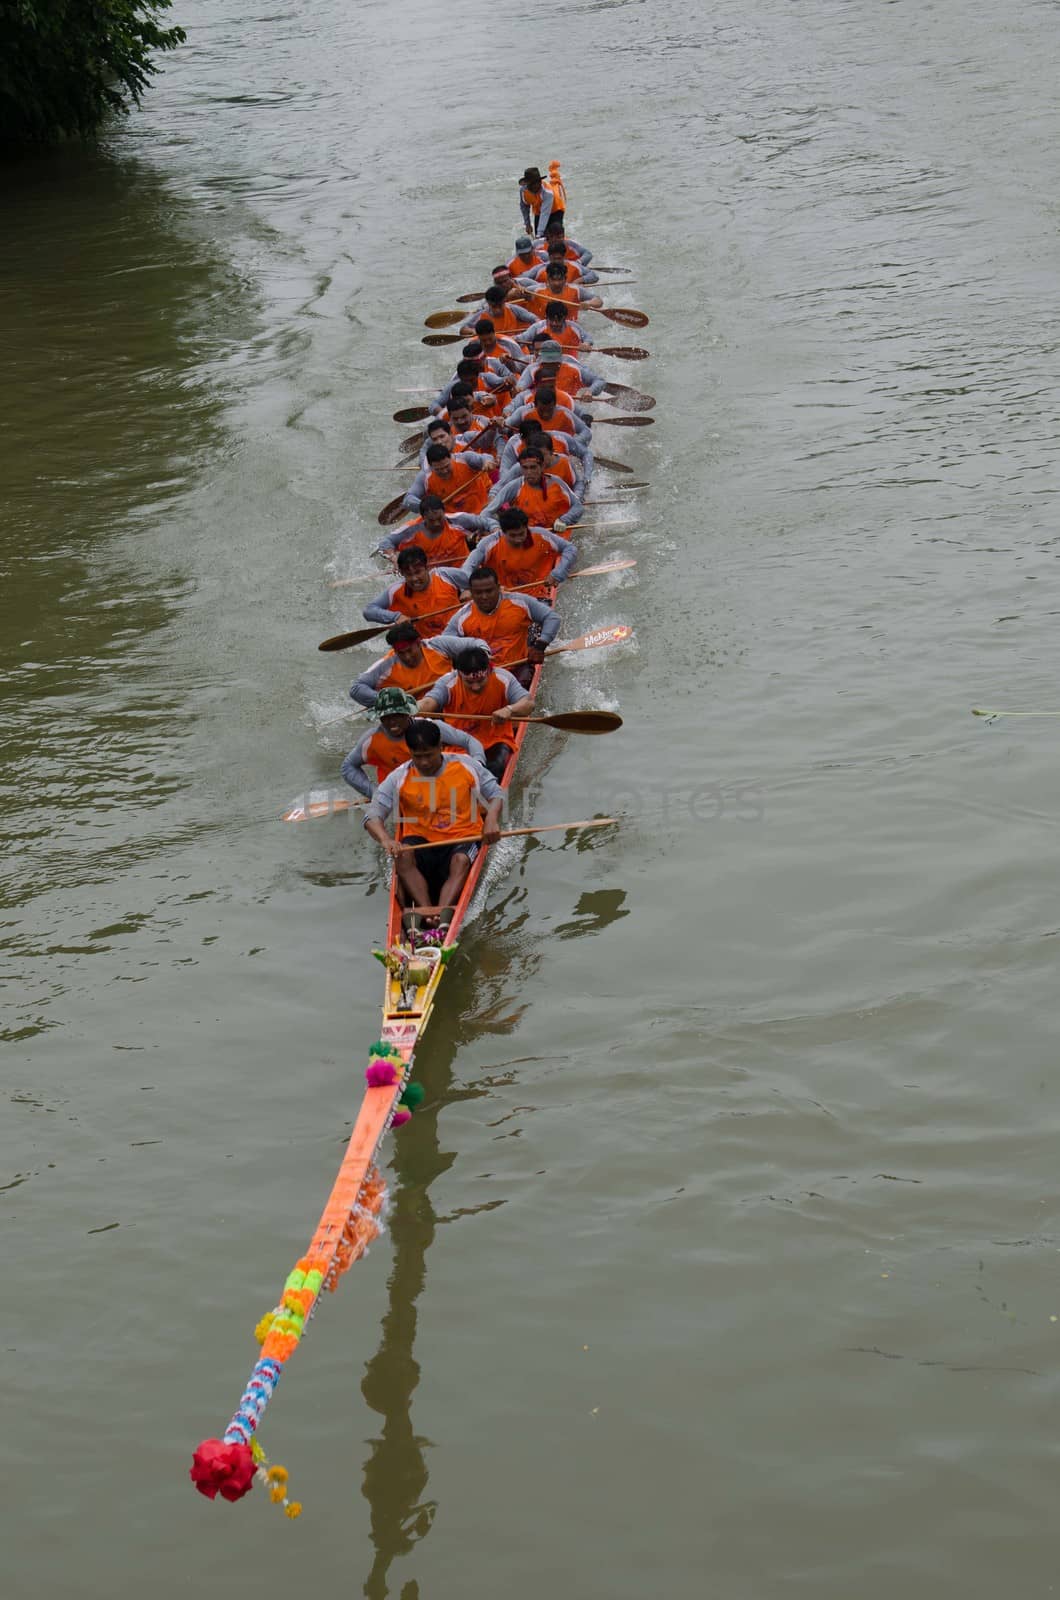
pixel 354 1214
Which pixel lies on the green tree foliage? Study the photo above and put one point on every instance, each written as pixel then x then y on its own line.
pixel 66 64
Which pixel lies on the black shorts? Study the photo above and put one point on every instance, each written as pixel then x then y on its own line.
pixel 434 862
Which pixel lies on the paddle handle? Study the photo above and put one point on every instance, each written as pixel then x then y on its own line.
pixel 518 833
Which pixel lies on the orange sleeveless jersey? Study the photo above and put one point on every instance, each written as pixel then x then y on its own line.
pixel 516 566
pixel 449 549
pixel 491 697
pixel 444 807
pixel 538 303
pixel 506 631
pixel 559 422
pixel 567 381
pixel 505 321
pixel 439 595
pixel 469 489
pixel 430 669
pixel 542 505
pixel 386 754
pixel 570 338
pixel 517 266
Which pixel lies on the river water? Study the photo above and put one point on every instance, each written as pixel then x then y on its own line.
pixel 722 1258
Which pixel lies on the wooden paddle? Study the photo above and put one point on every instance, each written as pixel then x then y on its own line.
pixel 624 422
pixel 624 352
pixel 635 399
pixel 418 413
pixel 519 833
pixel 566 721
pixel 612 466
pixel 622 565
pixel 587 641
pixel 343 641
pixel 622 314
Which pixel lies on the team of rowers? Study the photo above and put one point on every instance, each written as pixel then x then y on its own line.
pixel 504 466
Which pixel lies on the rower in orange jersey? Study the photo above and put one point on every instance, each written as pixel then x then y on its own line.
pixel 506 351
pixel 438 799
pixel 429 599
pixel 547 501
pixel 477 689
pixel 521 555
pixel 384 748
pixel 556 287
pixel 461 481
pixel 543 407
pixel 556 250
pixel 565 374
pixel 559 459
pixel 558 325
pixel 526 257
pixel 516 627
pixel 411 663
pixel 555 229
pixel 488 381
pixel 445 540
pixel 507 314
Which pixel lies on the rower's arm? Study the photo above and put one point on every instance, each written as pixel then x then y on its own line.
pixel 379 610
pixel 416 491
pixel 365 689
pixel 480 553
pixel 520 704
pixel 546 617
pixel 428 705
pixel 567 551
pixel 457 739
pixel 572 513
pixel 592 380
pixel 390 543
pixel 353 768
pixel 381 806
pixel 545 212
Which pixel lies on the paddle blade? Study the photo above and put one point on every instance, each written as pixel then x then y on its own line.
pixel 584 721
pixel 443 319
pixel 612 466
pixel 470 299
pixel 624 352
pixel 343 641
pixel 594 572
pixel 392 512
pixel 446 338
pixel 633 398
pixel 624 422
pixel 623 314
pixel 330 806
pixel 417 413
pixel 411 443
pixel 592 641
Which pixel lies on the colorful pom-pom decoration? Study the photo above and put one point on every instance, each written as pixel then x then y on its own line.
pixel 380 1074
pixel 413 1096
pixel 222 1469
pixel 400 1118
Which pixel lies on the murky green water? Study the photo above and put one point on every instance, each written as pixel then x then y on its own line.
pixel 722 1253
